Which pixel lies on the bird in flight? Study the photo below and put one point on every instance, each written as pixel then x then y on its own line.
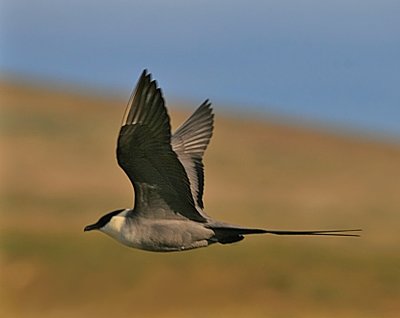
pixel 167 174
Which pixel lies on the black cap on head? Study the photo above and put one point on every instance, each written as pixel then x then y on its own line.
pixel 102 221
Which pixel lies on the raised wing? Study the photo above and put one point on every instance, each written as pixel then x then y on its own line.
pixel 144 152
pixel 190 142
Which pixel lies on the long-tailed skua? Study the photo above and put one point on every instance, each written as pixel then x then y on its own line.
pixel 166 171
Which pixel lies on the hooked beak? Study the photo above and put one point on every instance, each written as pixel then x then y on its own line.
pixel 90 227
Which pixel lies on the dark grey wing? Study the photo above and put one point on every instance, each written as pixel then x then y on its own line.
pixel 144 152
pixel 189 142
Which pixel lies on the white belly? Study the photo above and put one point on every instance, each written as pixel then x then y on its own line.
pixel 158 235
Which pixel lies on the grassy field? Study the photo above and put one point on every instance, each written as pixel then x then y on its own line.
pixel 59 173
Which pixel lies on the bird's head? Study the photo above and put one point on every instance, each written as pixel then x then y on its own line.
pixel 103 221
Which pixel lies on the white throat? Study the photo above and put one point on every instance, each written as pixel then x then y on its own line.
pixel 114 227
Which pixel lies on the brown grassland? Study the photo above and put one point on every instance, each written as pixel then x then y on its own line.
pixel 59 173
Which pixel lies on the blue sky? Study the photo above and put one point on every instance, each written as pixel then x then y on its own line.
pixel 330 61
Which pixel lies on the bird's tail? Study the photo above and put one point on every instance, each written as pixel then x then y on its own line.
pixel 230 234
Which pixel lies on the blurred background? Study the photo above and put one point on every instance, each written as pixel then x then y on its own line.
pixel 307 136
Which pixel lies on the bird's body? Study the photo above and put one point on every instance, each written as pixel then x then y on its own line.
pixel 159 235
pixel 166 172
